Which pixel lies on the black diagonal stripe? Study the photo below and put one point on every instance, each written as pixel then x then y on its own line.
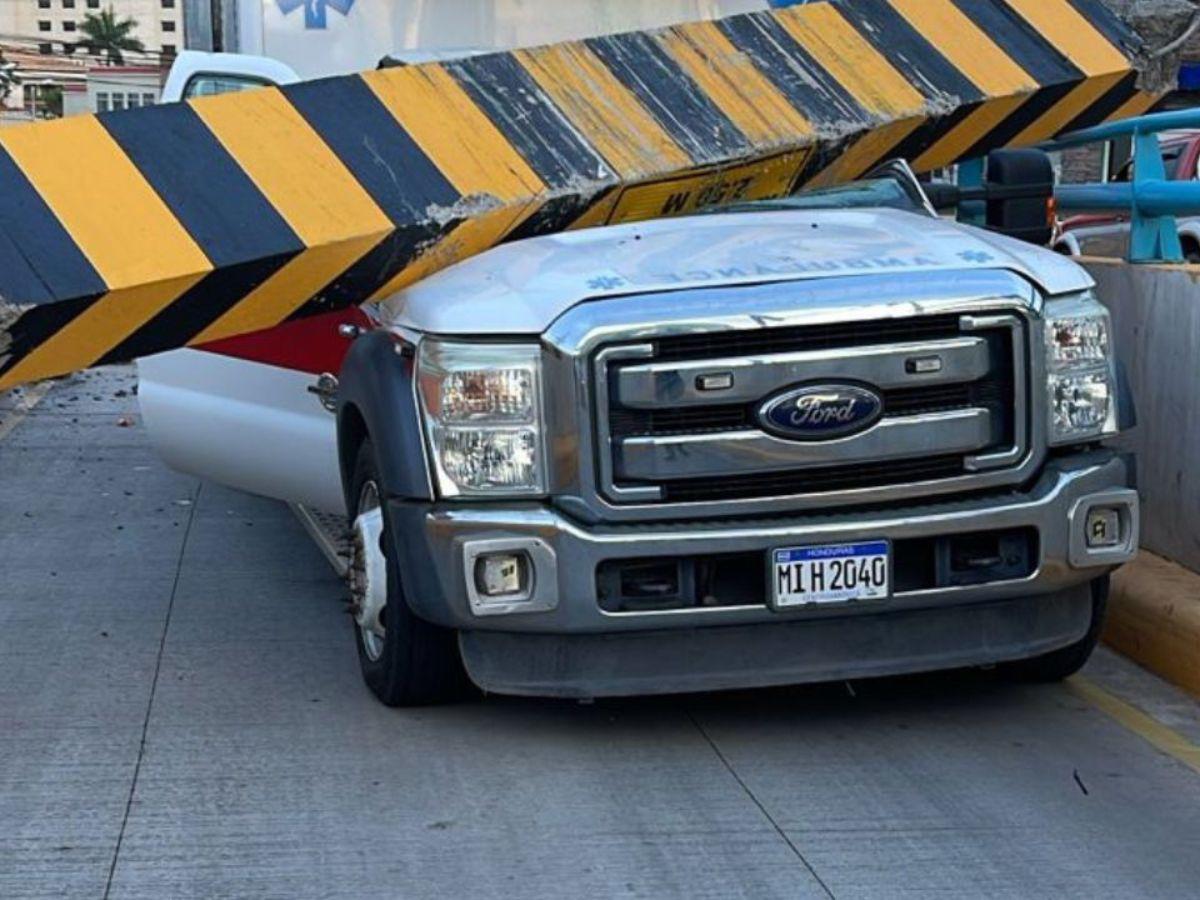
pixel 205 189
pixel 925 68
pixel 1021 118
pixel 555 215
pixel 676 102
pixel 197 308
pixel 38 325
pixel 1056 75
pixel 1020 41
pixel 375 268
pixel 1110 25
pixel 376 149
pixel 925 136
pixel 529 120
pixel 792 70
pixel 39 262
pixel 1101 109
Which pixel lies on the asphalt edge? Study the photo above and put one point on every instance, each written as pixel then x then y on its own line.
pixel 1154 618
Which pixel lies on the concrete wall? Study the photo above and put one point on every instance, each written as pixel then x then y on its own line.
pixel 1156 319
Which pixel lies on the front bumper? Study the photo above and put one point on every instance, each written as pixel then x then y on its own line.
pixel 434 544
pixel 565 644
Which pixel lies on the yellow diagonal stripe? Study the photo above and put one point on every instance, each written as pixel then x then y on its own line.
pixel 472 236
pixel 296 171
pixel 871 147
pixel 99 328
pixel 453 132
pixel 1062 113
pixel 733 84
pixel 287 289
pixel 1134 106
pixel 967 133
pixel 1072 35
pixel 966 46
pixel 846 55
pixel 601 109
pixel 119 223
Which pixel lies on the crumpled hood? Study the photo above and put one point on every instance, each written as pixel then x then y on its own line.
pixel 522 287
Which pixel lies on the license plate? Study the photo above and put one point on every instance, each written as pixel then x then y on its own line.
pixel 830 573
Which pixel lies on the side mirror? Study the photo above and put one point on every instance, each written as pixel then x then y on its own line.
pixel 1020 186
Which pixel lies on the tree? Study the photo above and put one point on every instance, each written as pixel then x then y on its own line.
pixel 8 77
pixel 107 35
pixel 51 97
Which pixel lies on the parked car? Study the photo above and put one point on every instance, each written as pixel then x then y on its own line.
pixel 1106 234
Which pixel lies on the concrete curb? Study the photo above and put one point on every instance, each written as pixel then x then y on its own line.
pixel 1154 618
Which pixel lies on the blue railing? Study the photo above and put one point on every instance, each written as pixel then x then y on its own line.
pixel 1150 198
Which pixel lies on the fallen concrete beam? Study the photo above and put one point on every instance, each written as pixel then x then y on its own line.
pixel 133 232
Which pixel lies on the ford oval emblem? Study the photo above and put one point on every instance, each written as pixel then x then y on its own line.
pixel 819 412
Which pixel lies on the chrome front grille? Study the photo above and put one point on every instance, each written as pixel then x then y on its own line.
pixel 663 439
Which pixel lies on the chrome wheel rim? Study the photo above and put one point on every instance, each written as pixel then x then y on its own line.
pixel 368 572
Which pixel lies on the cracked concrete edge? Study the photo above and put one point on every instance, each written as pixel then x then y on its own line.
pixel 1158 23
pixel 1154 618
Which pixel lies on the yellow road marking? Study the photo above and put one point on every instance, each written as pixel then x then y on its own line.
pixel 32 397
pixel 1152 731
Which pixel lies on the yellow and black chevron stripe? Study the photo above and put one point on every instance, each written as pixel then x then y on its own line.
pixel 132 232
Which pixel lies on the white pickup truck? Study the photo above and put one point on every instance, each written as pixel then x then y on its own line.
pixel 826 437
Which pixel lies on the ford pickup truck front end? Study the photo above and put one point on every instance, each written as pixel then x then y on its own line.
pixel 736 485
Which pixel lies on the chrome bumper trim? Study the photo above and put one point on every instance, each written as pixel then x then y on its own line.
pixel 726 453
pixel 431 541
pixel 657 384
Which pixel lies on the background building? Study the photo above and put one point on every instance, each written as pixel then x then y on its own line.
pixel 52 27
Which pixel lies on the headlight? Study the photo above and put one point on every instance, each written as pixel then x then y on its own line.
pixel 482 407
pixel 1080 370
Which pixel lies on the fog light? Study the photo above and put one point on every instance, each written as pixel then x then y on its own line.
pixel 1103 527
pixel 502 574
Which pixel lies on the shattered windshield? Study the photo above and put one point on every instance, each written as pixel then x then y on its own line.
pixel 865 194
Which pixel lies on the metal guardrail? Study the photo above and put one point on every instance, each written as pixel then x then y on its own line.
pixel 1150 198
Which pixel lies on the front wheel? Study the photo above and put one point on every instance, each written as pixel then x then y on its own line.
pixel 405 661
pixel 1066 661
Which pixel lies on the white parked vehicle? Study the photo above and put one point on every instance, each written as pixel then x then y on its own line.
pixel 825 437
pixel 1107 234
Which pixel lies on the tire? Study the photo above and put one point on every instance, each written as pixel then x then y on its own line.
pixel 414 663
pixel 1059 664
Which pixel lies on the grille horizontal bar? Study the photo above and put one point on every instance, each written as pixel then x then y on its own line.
pixel 833 478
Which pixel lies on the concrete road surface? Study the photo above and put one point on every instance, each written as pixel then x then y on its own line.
pixel 181 716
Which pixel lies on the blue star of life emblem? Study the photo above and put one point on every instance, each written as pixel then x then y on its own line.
pixel 314 10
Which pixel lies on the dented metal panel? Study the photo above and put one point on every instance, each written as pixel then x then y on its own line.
pixel 228 214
